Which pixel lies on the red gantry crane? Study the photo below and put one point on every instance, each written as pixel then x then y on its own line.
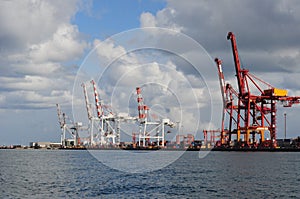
pixel 253 113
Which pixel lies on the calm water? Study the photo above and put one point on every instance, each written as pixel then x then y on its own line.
pixel 77 174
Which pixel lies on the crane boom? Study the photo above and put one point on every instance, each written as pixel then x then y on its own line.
pixel 61 118
pixel 223 91
pixel 221 79
pixel 88 108
pixel 141 107
pixel 98 104
pixel 239 75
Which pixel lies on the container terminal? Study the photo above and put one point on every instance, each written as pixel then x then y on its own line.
pixel 250 112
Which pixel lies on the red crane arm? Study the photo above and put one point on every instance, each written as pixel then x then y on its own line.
pixel 97 102
pixel 241 82
pixel 289 101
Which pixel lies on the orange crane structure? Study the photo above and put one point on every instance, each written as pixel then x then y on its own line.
pixel 252 108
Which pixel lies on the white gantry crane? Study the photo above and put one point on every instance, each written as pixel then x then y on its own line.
pixel 105 126
pixel 93 121
pixel 150 131
pixel 68 127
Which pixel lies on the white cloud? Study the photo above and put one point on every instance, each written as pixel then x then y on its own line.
pixel 25 99
pixel 109 51
pixel 34 92
pixel 147 20
pixel 64 45
pixel 38 40
pixel 167 90
pixel 26 83
pixel 164 18
pixel 30 67
pixel 32 21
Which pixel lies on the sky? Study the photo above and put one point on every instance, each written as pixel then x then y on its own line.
pixel 48 48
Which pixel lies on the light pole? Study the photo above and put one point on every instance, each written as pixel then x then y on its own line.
pixel 284 125
pixel 179 126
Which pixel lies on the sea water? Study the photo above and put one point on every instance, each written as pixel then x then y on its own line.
pixel 78 174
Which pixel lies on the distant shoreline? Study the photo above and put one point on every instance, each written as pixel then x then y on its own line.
pixel 164 149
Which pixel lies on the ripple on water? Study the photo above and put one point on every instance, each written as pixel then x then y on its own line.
pixel 76 174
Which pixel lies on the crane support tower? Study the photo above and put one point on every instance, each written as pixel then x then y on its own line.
pixel 69 127
pixel 106 123
pixel 251 109
pixel 93 125
pixel 104 127
pixel 152 133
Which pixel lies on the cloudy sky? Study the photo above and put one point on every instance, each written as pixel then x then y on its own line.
pixel 48 48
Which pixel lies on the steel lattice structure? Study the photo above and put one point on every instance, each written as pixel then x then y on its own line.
pixel 252 108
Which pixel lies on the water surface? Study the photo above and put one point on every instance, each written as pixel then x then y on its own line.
pixel 77 174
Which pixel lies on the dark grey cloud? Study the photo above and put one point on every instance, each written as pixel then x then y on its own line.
pixel 258 24
pixel 267 31
pixel 267 35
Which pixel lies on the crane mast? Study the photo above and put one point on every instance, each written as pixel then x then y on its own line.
pixel 87 103
pixel 221 80
pixel 61 119
pixel 142 109
pixel 239 72
pixel 223 91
